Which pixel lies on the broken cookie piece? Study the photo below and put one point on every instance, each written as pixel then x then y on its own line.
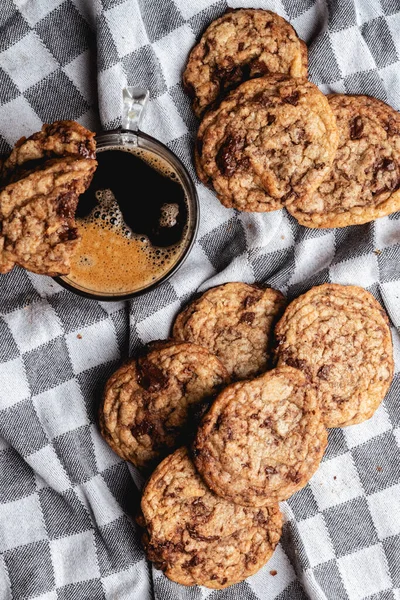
pixel 37 216
pixel 40 183
pixel 61 138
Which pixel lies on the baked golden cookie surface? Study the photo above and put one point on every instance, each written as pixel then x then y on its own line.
pixel 271 140
pixel 240 45
pixel 148 403
pixel 194 536
pixel 61 138
pixel 364 182
pixel 262 439
pixel 339 336
pixel 234 321
pixel 37 224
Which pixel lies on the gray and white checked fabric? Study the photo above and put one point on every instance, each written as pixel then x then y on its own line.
pixel 66 500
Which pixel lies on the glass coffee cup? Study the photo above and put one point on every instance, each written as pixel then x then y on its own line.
pixel 138 219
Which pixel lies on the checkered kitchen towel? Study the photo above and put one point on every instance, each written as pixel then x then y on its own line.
pixel 66 500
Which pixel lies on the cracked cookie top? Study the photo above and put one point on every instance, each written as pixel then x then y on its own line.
pixel 196 537
pixel 151 404
pixel 364 182
pixel 339 336
pixel 37 224
pixel 262 439
pixel 271 141
pixel 240 45
pixel 234 321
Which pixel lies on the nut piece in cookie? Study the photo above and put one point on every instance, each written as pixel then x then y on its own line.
pixel 37 226
pixel 240 45
pixel 271 140
pixel 234 321
pixel 261 440
pixel 149 405
pixel 197 538
pixel 364 182
pixel 339 336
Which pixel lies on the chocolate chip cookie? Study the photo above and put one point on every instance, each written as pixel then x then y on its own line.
pixel 150 404
pixel 240 45
pixel 37 225
pixel 364 182
pixel 234 321
pixel 262 439
pixel 195 537
pixel 271 141
pixel 339 336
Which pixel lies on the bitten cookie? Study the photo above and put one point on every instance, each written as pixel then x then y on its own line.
pixel 194 536
pixel 364 181
pixel 149 404
pixel 261 440
pixel 339 336
pixel 273 139
pixel 234 321
pixel 240 45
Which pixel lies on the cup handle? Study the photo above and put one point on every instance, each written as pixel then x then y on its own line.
pixel 134 103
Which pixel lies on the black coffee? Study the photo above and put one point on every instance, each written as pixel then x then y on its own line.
pixel 150 197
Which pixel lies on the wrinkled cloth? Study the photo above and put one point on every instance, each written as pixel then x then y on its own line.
pixel 67 502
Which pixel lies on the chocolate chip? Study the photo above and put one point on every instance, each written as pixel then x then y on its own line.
pixel 83 149
pixel 263 99
pixel 247 317
pixel 260 519
pixel 69 235
pixel 240 46
pixel 66 206
pixel 320 166
pixel 270 119
pixel 193 562
pixel 296 363
pixel 356 128
pixel 202 538
pixel 227 158
pixel 143 428
pixel 258 68
pixel 249 301
pixel 292 98
pixel 150 377
pixel 323 372
pixel 294 476
pixel 388 165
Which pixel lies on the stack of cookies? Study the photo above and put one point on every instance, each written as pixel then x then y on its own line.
pixel 269 138
pixel 238 400
pixel 40 184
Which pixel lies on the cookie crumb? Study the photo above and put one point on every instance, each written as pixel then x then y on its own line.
pixel 334 477
pixel 379 469
pixel 377 251
pixel 79 336
pixel 273 573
